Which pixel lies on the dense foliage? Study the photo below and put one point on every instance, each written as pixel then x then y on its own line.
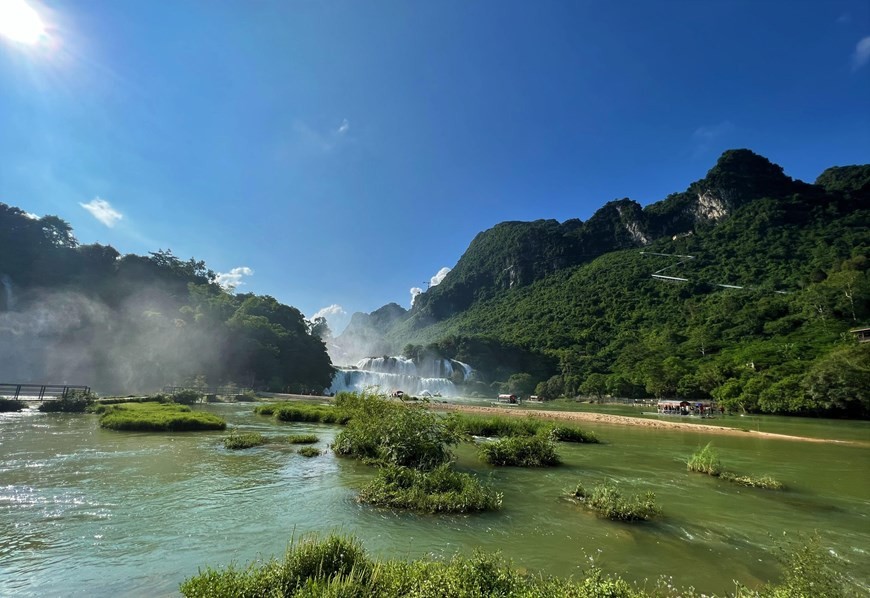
pixel 138 323
pixel 339 566
pixel 520 451
pixel 606 500
pixel 779 275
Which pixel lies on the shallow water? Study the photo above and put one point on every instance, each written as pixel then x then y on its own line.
pixel 86 511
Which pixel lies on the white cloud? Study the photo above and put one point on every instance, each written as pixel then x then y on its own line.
pixel 344 127
pixel 31 216
pixel 329 311
pixel 711 132
pixel 103 211
pixel 861 56
pixel 232 279
pixel 436 280
pixel 844 18
pixel 414 292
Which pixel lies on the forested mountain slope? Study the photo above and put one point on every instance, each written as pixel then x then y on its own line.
pixel 781 343
pixel 84 314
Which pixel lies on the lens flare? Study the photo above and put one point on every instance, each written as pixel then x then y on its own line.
pixel 19 22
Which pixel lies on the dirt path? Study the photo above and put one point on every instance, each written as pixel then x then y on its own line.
pixel 622 420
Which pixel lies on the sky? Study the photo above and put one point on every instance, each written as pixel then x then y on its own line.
pixel 339 155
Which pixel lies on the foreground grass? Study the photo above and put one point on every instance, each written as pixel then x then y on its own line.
pixel 339 566
pixel 608 502
pixel 236 441
pixel 441 490
pixel 707 461
pixel 157 417
pixel 509 427
pixel 518 451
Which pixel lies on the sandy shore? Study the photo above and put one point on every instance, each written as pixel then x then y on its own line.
pixel 622 420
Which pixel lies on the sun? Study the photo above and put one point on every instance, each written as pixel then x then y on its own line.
pixel 19 22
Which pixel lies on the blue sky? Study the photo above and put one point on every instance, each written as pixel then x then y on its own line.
pixel 344 152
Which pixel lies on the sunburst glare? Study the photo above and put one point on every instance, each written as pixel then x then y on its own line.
pixel 19 22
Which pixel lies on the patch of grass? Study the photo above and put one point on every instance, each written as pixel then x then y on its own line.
pixel 537 451
pixel 303 412
pixel 606 500
pixel 509 427
pixel 236 441
pixel 441 490
pixel 187 397
pixel 302 439
pixel 11 405
pixel 309 451
pixel 572 434
pixel 767 482
pixel 706 461
pixel 157 417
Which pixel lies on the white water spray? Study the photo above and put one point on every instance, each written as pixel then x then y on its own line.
pixel 7 289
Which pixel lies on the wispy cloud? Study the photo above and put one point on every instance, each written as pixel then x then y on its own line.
pixel 861 55
pixel 103 211
pixel 232 279
pixel 329 311
pixel 706 135
pixel 414 292
pixel 844 18
pixel 439 276
pixel 317 141
pixel 344 127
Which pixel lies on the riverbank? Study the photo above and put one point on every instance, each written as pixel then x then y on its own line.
pixel 622 420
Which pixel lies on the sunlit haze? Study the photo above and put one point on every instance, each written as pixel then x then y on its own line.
pixel 20 22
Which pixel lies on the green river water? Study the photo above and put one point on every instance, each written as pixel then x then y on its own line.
pixel 92 512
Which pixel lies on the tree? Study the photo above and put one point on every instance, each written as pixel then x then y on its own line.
pixel 840 381
pixel 594 385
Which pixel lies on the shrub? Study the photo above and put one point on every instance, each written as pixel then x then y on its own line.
pixel 236 441
pixel 76 403
pixel 536 451
pixel 246 396
pixel 157 417
pixel 572 434
pixel 302 439
pixel 706 461
pixel 303 412
pixel 440 490
pixel 187 397
pixel 309 451
pixel 608 502
pixel 10 405
pixel 387 432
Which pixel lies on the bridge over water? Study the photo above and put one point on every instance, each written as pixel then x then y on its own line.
pixel 39 392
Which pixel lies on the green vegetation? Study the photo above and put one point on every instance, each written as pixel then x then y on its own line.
pixel 339 566
pixel 520 451
pixel 184 327
pixel 505 427
pixel 237 441
pixel 309 451
pixel 707 461
pixel 382 431
pixel 608 502
pixel 157 417
pixel 248 396
pixel 441 490
pixel 187 397
pixel 303 412
pixel 10 405
pixel 75 402
pixel 302 439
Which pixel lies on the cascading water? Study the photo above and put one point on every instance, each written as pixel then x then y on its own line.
pixel 6 282
pixel 389 374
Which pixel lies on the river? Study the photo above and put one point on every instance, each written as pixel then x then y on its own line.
pixel 86 511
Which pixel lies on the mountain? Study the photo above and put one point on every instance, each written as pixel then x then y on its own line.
pixel 767 277
pixel 365 335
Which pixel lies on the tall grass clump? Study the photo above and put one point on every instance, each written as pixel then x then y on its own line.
pixel 236 441
pixel 706 461
pixel 606 500
pixel 518 451
pixel 303 412
pixel 11 405
pixel 309 451
pixel 572 434
pixel 508 427
pixel 187 397
pixel 441 490
pixel 302 439
pixel 157 417
pixel 75 402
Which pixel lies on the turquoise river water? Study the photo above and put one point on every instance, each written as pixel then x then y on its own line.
pixel 91 512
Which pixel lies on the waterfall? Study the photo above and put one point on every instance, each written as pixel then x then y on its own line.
pixel 388 374
pixel 7 288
